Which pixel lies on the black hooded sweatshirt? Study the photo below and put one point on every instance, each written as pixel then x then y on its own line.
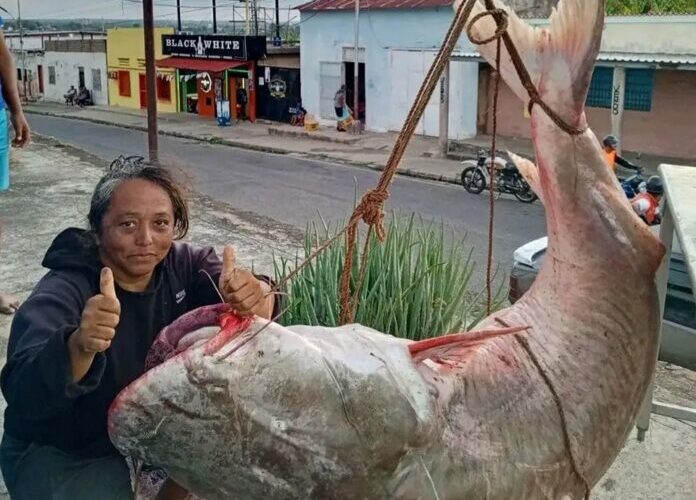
pixel 45 406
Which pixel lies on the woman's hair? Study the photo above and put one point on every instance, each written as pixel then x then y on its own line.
pixel 127 169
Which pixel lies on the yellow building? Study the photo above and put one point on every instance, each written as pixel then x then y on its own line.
pixel 125 56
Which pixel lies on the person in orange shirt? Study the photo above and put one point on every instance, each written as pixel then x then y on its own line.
pixel 612 157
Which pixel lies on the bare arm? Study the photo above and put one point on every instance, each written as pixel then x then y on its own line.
pixel 8 76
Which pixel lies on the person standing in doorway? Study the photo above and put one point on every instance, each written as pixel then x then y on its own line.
pixel 339 104
pixel 9 98
pixel 242 101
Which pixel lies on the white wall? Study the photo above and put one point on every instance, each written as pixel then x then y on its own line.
pixel 67 73
pixel 390 82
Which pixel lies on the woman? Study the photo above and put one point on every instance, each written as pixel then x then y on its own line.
pixel 84 332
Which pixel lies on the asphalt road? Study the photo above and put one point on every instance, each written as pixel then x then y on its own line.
pixel 293 190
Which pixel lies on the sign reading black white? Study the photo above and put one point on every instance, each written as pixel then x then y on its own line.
pixel 239 48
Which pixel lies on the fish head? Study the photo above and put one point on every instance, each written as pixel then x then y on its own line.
pixel 279 411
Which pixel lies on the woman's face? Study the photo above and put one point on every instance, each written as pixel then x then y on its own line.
pixel 137 230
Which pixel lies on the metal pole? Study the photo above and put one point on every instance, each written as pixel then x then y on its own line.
pixel 444 111
pixel 21 48
pixel 178 15
pixel 356 69
pixel 148 25
pixel 214 17
pixel 277 40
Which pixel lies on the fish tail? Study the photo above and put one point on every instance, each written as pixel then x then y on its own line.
pixel 559 59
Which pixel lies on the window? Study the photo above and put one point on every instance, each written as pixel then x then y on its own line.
pixel 640 84
pixel 81 76
pixel 639 89
pixel 599 95
pixel 51 75
pixel 19 74
pixel 164 89
pixel 96 80
pixel 124 84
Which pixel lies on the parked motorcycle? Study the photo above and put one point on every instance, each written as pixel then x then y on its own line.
pixel 476 177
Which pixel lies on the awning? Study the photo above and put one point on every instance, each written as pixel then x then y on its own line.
pixel 657 59
pixel 212 65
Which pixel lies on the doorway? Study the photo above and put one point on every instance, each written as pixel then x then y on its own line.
pixel 81 76
pixel 206 95
pixel 349 72
pixel 41 80
pixel 142 83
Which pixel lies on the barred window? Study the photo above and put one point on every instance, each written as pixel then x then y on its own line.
pixel 51 75
pixel 640 85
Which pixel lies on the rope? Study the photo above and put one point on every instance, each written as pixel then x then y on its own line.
pixel 559 406
pixel 370 209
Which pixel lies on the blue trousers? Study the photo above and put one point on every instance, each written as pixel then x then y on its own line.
pixel 4 152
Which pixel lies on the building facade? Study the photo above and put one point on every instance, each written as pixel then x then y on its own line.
pixel 125 54
pixel 398 41
pixel 29 54
pixel 214 72
pixel 643 89
pixel 279 88
pixel 76 63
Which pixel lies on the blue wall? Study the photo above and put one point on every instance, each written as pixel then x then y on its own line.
pixel 324 35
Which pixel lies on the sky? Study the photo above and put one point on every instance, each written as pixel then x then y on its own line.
pixel 132 9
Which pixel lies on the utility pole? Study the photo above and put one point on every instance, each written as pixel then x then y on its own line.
pixel 356 70
pixel 148 25
pixel 178 16
pixel 214 17
pixel 21 48
pixel 246 17
pixel 277 41
pixel 444 111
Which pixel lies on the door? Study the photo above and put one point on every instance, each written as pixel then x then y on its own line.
pixel 206 96
pixel 407 72
pixel 81 76
pixel 143 90
pixel 41 79
pixel 330 81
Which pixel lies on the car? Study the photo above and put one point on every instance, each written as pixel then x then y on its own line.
pixel 679 329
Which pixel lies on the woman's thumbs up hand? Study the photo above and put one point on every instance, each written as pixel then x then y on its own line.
pixel 241 290
pixel 99 317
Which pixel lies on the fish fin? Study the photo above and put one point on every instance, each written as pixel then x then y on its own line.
pixel 451 349
pixel 558 58
pixel 529 171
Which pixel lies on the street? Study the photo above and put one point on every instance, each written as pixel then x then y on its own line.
pixel 272 188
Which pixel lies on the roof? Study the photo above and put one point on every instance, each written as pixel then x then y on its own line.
pixel 212 65
pixel 329 5
pixel 623 57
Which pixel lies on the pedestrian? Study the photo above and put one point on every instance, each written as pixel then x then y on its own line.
pixel 9 98
pixel 339 104
pixel 84 333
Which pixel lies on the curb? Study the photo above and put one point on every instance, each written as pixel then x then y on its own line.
pixel 262 149
pixel 307 135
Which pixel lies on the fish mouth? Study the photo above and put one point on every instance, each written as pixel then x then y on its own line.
pixel 212 326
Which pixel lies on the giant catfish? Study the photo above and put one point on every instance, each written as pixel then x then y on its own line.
pixel 535 404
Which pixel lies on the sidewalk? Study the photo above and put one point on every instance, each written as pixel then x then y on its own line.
pixel 370 150
pixel 46 197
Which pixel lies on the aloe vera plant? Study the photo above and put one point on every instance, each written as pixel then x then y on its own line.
pixel 417 283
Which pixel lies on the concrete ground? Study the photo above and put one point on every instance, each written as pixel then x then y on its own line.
pixel 51 189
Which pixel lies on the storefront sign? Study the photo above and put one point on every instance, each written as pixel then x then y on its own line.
pixel 278 88
pixel 240 48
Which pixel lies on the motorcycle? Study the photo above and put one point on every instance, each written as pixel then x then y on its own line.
pixel 476 177
pixel 634 185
